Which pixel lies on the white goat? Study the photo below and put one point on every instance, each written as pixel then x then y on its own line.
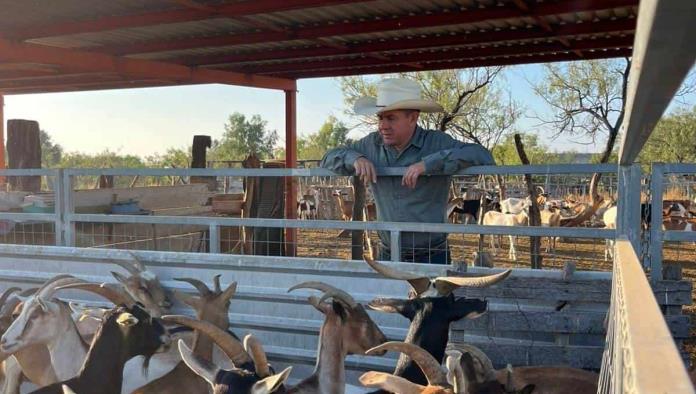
pixel 609 219
pixel 515 205
pixel 494 218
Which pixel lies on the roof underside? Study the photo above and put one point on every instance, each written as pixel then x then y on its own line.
pixel 66 45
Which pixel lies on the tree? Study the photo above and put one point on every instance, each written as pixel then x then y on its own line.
pixel 243 136
pixel 332 133
pixel 505 153
pixel 476 110
pixel 104 159
pixel 674 139
pixel 51 152
pixel 172 158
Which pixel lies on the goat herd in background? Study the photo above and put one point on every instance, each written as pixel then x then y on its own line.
pixel 513 211
pixel 45 342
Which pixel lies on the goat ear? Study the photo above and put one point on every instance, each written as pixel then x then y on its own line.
pixel 198 365
pixel 271 383
pixel 466 362
pixel 320 306
pixel 119 277
pixel 230 291
pixel 469 308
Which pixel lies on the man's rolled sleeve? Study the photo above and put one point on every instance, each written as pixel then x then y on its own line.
pixel 340 160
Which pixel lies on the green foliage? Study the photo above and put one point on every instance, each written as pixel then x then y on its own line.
pixel 104 159
pixel 51 152
pixel 173 158
pixel 505 153
pixel 244 136
pixel 332 133
pixel 674 139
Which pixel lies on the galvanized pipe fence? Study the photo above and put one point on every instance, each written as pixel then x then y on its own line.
pixel 624 363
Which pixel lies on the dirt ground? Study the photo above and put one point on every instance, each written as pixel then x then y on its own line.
pixel 586 254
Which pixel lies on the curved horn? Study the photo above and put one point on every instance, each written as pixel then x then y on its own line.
pixel 448 283
pixel 486 371
pixel 55 278
pixel 455 374
pixel 419 283
pixel 229 345
pixel 111 294
pixel 200 286
pixel 216 283
pixel 340 296
pixel 200 366
pixel 29 292
pixel 48 291
pixel 255 350
pixel 390 383
pixel 7 294
pixel 426 362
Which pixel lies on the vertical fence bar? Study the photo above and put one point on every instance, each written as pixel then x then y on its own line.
pixel 59 208
pixel 628 220
pixel 395 245
pixel 68 209
pixel 214 241
pixel 656 183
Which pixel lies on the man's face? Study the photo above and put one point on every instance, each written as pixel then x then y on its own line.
pixel 396 127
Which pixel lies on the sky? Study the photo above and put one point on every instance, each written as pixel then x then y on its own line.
pixel 148 121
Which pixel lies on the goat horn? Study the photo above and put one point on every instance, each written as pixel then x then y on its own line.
pixel 111 294
pixel 55 278
pixel 339 295
pixel 7 294
pixel 455 374
pixel 486 370
pixel 200 286
pixel 418 282
pixel 447 283
pixel 390 383
pixel 255 350
pixel 326 288
pixel 216 282
pixel 426 362
pixel 229 345
pixel 48 291
pixel 29 292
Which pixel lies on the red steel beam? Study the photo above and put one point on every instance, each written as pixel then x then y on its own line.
pixel 84 87
pixel 290 162
pixel 2 136
pixel 466 63
pixel 453 54
pixel 371 26
pixel 601 27
pixel 235 9
pixel 134 68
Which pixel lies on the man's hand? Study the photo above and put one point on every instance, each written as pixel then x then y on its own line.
pixel 365 170
pixel 412 173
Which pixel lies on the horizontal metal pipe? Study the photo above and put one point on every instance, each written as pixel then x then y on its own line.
pixel 679 236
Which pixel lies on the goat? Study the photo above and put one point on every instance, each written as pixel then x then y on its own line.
pixel 128 331
pixel 346 207
pixel 347 329
pixel 468 209
pixel 609 219
pixel 494 218
pixel 544 379
pixel 251 373
pixel 143 286
pixel 436 378
pixel 515 205
pixel 550 218
pixel 454 382
pixel 45 322
pixel 431 308
pixel 211 306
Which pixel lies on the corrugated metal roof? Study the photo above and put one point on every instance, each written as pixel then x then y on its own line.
pixel 315 32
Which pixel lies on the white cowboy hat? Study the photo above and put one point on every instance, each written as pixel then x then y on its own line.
pixel 395 93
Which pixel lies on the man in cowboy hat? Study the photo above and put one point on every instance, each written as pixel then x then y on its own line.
pixel 400 142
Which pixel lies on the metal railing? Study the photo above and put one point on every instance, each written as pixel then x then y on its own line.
pixel 640 355
pixel 657 235
pixel 65 217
